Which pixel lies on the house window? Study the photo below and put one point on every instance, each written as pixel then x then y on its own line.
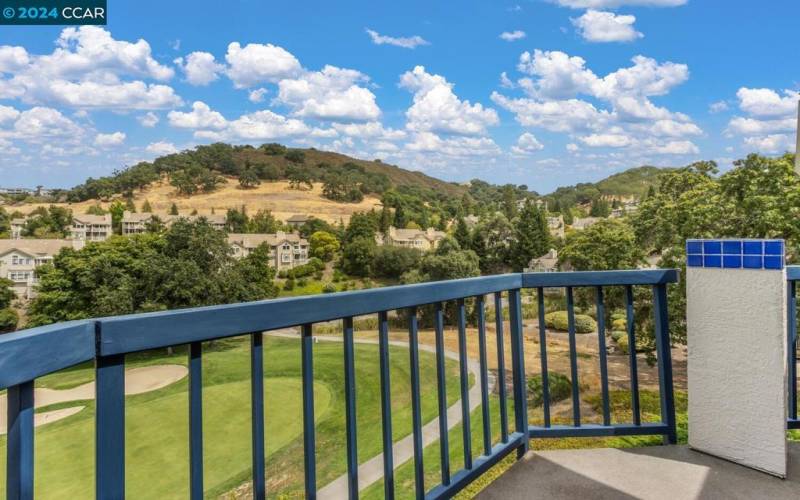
pixel 286 258
pixel 18 276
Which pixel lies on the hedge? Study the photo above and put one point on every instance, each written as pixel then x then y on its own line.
pixel 558 320
pixel 559 385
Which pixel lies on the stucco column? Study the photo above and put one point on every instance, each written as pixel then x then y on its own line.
pixel 736 333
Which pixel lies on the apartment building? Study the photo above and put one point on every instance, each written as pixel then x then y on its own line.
pixel 287 250
pixel 556 226
pixel 86 227
pixel 16 228
pixel 298 220
pixel 422 239
pixel 582 223
pixel 135 223
pixel 20 258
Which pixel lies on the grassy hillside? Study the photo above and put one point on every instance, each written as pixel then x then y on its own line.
pixel 632 183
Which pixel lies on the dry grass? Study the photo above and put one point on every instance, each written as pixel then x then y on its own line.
pixel 275 196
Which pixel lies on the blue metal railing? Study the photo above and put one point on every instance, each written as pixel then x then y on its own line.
pixel 33 353
pixel 792 276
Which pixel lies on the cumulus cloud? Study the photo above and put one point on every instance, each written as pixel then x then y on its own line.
pixel 257 95
pixel 767 102
pixel 40 124
pixel 259 63
pixel 109 140
pixel 258 126
pixel 161 148
pixel 330 94
pixel 718 107
pixel 148 119
pixel 200 68
pixel 612 4
pixel 599 26
pixel 511 36
pixel 411 42
pixel 527 143
pixel 200 117
pixel 772 143
pixel 769 114
pixel 436 107
pixel 606 140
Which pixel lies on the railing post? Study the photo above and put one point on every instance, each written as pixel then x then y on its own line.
pixel 664 354
pixel 110 427
pixel 257 414
pixel 518 369
pixel 791 320
pixel 19 446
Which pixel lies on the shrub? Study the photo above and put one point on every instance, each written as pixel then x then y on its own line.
pixel 622 343
pixel 559 385
pixel 619 324
pixel 616 335
pixel 558 320
pixel 328 288
pixel 618 315
pixel 318 275
pixel 8 320
pixel 289 285
pixel 302 282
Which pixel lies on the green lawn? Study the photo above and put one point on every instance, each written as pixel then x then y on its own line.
pixel 157 425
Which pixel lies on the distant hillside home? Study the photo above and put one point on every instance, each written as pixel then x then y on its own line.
pixel 556 226
pixel 427 239
pixel 547 263
pixel 16 228
pixel 88 227
pixel 583 223
pixel 298 220
pixel 135 223
pixel 471 221
pixel 20 258
pixel 287 250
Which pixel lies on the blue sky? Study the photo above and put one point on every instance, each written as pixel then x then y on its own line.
pixel 540 92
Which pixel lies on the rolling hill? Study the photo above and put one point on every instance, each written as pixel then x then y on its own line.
pixel 631 183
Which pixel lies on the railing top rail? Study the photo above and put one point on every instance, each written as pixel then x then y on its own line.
pixel 28 354
pixel 32 353
pixel 601 278
pixel 793 273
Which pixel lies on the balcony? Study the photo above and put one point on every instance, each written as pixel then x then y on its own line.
pixel 467 413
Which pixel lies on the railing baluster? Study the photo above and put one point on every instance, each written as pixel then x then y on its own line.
pixel 501 366
pixel 518 369
pixel 257 414
pixel 664 361
pixel 350 409
pixel 792 337
pixel 487 425
pixel 416 408
pixel 573 359
pixel 543 357
pixel 631 327
pixel 466 431
pixel 309 438
pixel 196 421
pixel 601 347
pixel 19 443
pixel 444 441
pixel 386 406
pixel 110 427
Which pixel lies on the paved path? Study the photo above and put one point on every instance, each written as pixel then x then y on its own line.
pixel 402 450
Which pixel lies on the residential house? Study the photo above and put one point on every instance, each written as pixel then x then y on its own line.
pixel 471 221
pixel 422 239
pixel 217 221
pixel 135 223
pixel 287 250
pixel 20 258
pixel 583 223
pixel 547 263
pixel 87 227
pixel 298 220
pixel 16 228
pixel 556 226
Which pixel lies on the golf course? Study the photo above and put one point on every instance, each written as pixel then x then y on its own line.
pixel 157 420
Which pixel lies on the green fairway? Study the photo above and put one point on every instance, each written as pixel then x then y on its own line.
pixel 157 422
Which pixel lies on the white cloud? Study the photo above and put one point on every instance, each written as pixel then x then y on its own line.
pixel 556 116
pixel 200 117
pixel 330 94
pixel 677 148
pixel 257 126
pixel 505 81
pixel 559 75
pixel 752 126
pixel 572 147
pixel 766 102
pixel 527 143
pixel 410 42
pixel 511 36
pixel 612 4
pixel 606 140
pixel 370 130
pixel 437 109
pixel 200 68
pixel 13 58
pixel 161 148
pixel 718 107
pixel 109 140
pixel 599 26
pixel 773 143
pixel 257 95
pixel 40 123
pixel 259 63
pixel 428 142
pixel 127 95
pixel 7 114
pixel 148 119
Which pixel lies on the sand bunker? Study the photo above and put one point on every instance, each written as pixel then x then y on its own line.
pixel 137 381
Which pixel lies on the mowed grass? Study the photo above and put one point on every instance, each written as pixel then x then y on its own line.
pixel 157 422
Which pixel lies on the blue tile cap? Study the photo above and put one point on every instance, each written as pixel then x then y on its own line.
pixel 735 253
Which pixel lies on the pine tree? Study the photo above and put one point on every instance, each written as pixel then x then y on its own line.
pixel 462 234
pixel 385 220
pixel 531 236
pixel 173 210
pixel 129 206
pixel 146 208
pixel 400 217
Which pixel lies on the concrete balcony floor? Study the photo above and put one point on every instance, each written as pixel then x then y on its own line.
pixel 658 472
